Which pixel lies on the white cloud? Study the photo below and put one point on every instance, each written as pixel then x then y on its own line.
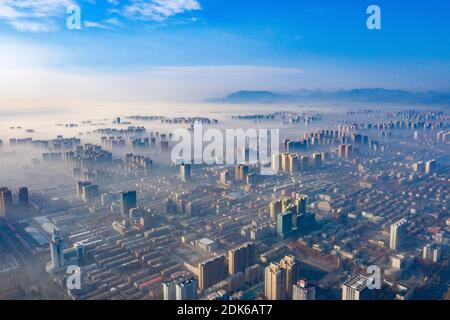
pixel 28 77
pixel 109 23
pixel 113 22
pixel 159 10
pixel 33 26
pixel 93 24
pixel 41 15
pixel 33 15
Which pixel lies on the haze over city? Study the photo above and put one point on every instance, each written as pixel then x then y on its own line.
pixel 224 150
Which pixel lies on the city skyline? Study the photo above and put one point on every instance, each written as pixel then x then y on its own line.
pixel 241 152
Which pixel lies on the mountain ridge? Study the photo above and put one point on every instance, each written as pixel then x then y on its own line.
pixel 353 95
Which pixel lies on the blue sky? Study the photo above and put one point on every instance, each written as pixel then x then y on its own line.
pixel 283 44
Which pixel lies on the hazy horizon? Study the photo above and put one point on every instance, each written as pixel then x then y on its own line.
pixel 193 50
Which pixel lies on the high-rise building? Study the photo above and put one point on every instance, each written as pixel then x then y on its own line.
pixel 304 221
pixel 185 172
pixel 6 202
pixel 186 289
pixel 241 172
pixel 80 250
pixel 287 204
pixel 56 251
pixel 398 234
pixel 292 267
pixel 285 161
pixel 341 151
pixel 276 162
pixel 169 290
pixel 348 151
pixel 293 163
pixel 252 178
pixel 432 252
pixel 301 202
pixel 80 185
pixel 241 257
pixel 302 290
pixel 211 271
pixel 357 138
pixel 317 158
pixel 356 289
pixel 224 177
pixel 304 163
pixel 252 274
pixel 129 201
pixel 430 166
pixel 90 192
pixel 276 207
pixel 419 167
pixel 24 200
pixel 275 282
pixel 284 223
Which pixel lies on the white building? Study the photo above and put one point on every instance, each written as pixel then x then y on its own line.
pixel 56 252
pixel 430 166
pixel 398 234
pixel 356 289
pixel 303 291
pixel 169 290
pixel 432 252
pixel 207 245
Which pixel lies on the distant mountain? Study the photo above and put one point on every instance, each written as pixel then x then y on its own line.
pixel 253 96
pixel 377 95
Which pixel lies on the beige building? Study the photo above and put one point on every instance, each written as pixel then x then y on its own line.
pixel 292 267
pixel 275 282
pixel 293 163
pixel 280 277
pixel 276 206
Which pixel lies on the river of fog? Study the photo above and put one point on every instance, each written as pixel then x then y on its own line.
pixel 81 122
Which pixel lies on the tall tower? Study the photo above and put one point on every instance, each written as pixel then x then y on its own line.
pixel 292 267
pixel 24 200
pixel 275 282
pixel 80 185
pixel 186 289
pixel 317 158
pixel 303 291
pixel 276 207
pixel 293 163
pixel 430 166
pixel 284 224
pixel 128 202
pixel 56 250
pixel 241 257
pixel 185 172
pixel 211 271
pixel 341 151
pixel 5 201
pixel 300 203
pixel 169 290
pixel 398 234
pixel 241 172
